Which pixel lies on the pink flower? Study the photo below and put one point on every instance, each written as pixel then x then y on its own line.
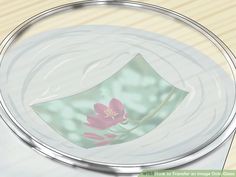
pixel 107 116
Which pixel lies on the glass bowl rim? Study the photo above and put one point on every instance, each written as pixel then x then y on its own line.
pixel 65 158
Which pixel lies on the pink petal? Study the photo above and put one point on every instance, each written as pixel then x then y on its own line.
pixel 100 108
pixel 110 135
pixel 103 143
pixel 94 121
pixel 93 136
pixel 116 106
pixel 100 122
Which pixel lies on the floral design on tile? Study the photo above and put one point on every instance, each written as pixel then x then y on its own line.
pixel 121 108
pixel 107 116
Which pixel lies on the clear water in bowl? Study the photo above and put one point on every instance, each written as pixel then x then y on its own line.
pixel 64 62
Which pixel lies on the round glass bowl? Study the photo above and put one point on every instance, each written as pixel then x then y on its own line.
pixel 79 51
